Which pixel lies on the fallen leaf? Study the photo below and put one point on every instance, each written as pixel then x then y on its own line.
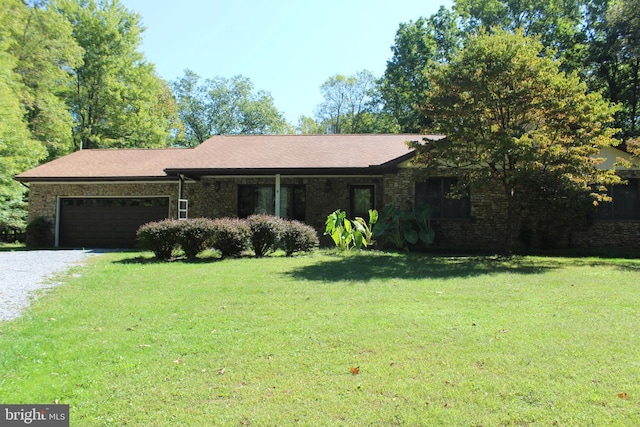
pixel 624 396
pixel 221 371
pixel 213 331
pixel 178 361
pixel 355 370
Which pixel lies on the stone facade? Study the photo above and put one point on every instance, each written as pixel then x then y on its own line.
pixel 218 197
pixel 43 197
pixel 215 197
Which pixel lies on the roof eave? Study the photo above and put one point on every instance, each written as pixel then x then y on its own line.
pixel 197 172
pixel 72 179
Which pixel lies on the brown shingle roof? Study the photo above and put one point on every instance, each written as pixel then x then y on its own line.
pixel 106 165
pixel 231 154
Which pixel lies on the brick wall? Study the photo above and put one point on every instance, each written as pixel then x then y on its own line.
pixel 43 197
pixel 218 197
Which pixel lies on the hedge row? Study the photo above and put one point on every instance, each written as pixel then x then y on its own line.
pixel 231 236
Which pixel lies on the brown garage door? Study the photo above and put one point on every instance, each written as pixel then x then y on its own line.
pixel 107 222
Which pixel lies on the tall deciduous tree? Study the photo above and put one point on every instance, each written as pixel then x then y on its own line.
pixel 46 52
pixel 118 100
pixel 348 102
pixel 419 46
pixel 224 106
pixel 624 19
pixel 556 22
pixel 514 120
pixel 31 115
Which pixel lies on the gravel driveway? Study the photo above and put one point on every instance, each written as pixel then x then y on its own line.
pixel 23 272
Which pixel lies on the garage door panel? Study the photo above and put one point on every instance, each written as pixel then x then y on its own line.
pixel 107 222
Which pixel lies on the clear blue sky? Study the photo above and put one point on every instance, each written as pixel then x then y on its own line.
pixel 286 47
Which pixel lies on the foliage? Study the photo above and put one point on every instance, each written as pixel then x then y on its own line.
pixel 404 229
pixel 231 236
pixel 45 50
pixel 298 237
pixel 419 46
pixel 20 148
pixel 194 235
pixel 222 106
pixel 266 231
pixel 118 100
pixel 160 237
pixel 348 234
pixel 556 22
pixel 350 105
pixel 512 118
pixel 39 233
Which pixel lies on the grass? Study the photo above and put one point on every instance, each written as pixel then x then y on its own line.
pixel 455 341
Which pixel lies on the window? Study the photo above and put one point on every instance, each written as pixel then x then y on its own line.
pixel 362 199
pixel 436 192
pixel 625 204
pixel 261 199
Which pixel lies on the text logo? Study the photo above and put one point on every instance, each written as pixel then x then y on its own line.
pixel 34 415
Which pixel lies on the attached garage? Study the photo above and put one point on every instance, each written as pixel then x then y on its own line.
pixel 101 222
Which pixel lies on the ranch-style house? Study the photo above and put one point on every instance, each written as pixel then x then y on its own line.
pixel 98 198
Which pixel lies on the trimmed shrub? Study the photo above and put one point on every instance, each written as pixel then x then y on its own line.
pixel 299 237
pixel 195 235
pixel 39 233
pixel 230 236
pixel 161 237
pixel 265 233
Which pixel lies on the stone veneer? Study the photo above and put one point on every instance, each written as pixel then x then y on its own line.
pixel 43 197
pixel 218 197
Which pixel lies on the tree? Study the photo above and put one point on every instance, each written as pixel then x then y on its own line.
pixel 419 46
pixel 308 125
pixel 513 120
pixel 19 149
pixel 611 63
pixel 45 51
pixel 347 100
pixel 556 22
pixel 224 106
pixel 624 18
pixel 118 100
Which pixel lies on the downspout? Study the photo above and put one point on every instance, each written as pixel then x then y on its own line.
pixel 180 193
pixel 277 210
pixel 181 186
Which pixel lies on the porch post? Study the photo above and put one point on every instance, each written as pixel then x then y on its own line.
pixel 277 201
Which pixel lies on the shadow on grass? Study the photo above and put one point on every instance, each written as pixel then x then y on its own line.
pixel 142 259
pixel 371 265
pixel 382 265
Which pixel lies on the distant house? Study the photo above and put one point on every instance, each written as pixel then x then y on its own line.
pixel 98 198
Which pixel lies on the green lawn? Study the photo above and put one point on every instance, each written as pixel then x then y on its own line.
pixel 451 341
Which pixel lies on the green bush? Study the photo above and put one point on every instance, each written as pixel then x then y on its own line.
pixel 298 237
pixel 161 237
pixel 265 233
pixel 39 233
pixel 195 235
pixel 230 236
